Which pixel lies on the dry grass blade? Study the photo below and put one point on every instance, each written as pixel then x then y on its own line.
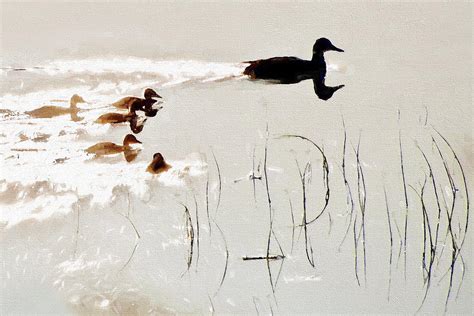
pixel 275 257
pixel 391 244
pixel 362 196
pixel 220 183
pixel 292 224
pixel 456 250
pixel 356 251
pixel 226 258
pixel 349 199
pixel 189 236
pixel 325 173
pixel 405 231
pixel 197 231
pixel 207 206
pixel 137 234
pixel 308 248
pixel 269 200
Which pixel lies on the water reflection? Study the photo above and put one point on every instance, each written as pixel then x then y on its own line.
pixel 289 70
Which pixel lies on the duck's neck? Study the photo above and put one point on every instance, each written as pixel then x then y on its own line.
pixel 318 57
pixel 73 105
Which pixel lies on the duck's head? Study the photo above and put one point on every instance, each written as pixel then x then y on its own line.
pixel 323 45
pixel 75 99
pixel 150 93
pixel 130 139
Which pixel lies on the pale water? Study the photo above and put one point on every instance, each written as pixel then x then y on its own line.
pixel 102 236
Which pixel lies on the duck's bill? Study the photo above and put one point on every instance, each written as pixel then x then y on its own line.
pixel 157 106
pixel 136 146
pixel 336 49
pixel 157 96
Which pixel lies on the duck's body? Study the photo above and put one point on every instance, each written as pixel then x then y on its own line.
pixel 292 69
pixel 50 111
pixel 109 148
pixel 286 69
pixel 158 164
pixel 140 103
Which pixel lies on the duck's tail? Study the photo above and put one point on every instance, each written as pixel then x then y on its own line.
pixel 250 69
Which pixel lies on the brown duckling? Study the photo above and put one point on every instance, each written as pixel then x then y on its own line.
pixel 112 118
pixel 50 111
pixel 126 103
pixel 108 148
pixel 118 117
pixel 158 165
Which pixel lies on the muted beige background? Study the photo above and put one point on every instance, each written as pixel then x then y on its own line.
pixel 415 58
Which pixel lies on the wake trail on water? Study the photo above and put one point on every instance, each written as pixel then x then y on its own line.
pixel 45 170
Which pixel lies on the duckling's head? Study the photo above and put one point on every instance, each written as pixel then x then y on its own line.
pixel 75 99
pixel 158 158
pixel 323 45
pixel 150 93
pixel 130 139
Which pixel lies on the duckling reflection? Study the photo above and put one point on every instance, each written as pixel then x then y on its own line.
pixel 152 110
pixel 158 164
pixel 127 102
pixel 137 123
pixel 50 111
pixel 289 70
pixel 108 148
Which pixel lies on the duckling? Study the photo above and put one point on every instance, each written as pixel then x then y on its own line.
pixel 126 103
pixel 158 164
pixel 292 69
pixel 113 118
pixel 108 148
pixel 118 117
pixel 50 111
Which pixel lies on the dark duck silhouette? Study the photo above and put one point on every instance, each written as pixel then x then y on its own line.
pixel 289 70
pixel 108 148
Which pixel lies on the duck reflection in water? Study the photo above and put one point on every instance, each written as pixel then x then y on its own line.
pixel 289 70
